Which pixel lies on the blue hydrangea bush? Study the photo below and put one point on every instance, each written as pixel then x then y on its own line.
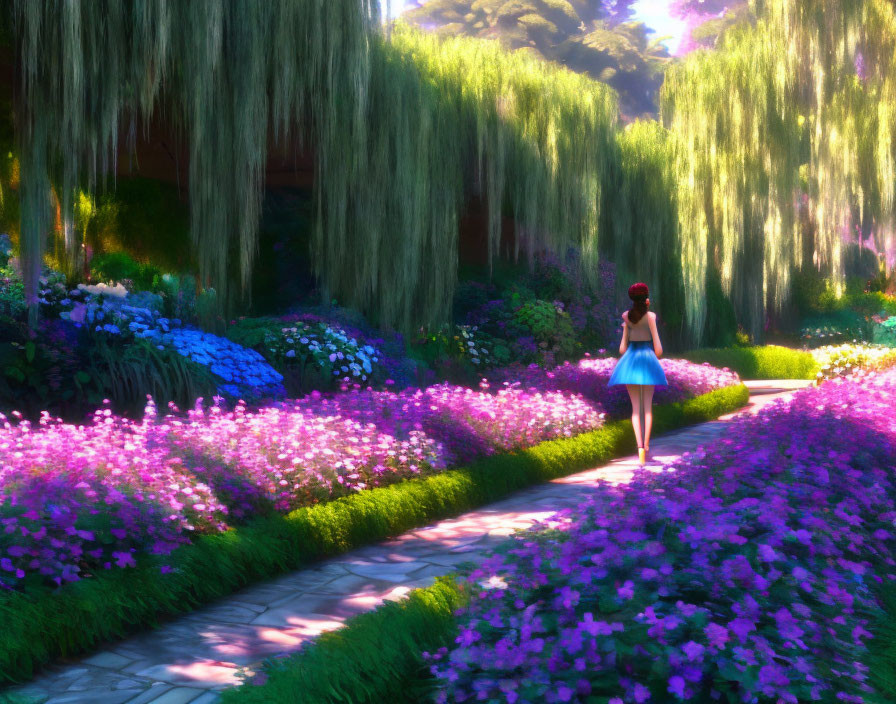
pixel 113 311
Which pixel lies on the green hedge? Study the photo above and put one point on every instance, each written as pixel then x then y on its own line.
pixel 40 626
pixel 882 657
pixel 357 664
pixel 769 362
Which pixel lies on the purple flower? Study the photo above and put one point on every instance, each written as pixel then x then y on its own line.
pixel 716 635
pixel 676 686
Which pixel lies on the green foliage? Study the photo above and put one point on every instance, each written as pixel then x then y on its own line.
pixel 885 333
pixel 551 327
pixel 113 267
pixel 413 112
pixel 356 663
pixel 69 373
pixel 576 34
pixel 520 120
pixel 882 648
pixel 42 625
pixel 116 267
pixel 769 362
pixel 460 354
pixel 720 326
pixel 128 373
pixel 184 300
pixel 301 351
pixel 640 219
pixel 842 325
pixel 252 332
pixel 779 108
pixel 148 219
pixel 547 314
pixel 42 370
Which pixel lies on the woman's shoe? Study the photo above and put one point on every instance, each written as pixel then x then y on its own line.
pixel 642 456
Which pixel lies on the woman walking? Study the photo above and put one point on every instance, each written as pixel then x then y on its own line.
pixel 639 368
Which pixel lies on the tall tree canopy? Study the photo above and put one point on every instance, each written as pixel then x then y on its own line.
pixel 595 37
pixel 779 141
pixel 402 131
pixel 795 115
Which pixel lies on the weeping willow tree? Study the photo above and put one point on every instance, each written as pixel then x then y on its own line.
pixel 447 118
pixel 227 74
pixel 640 218
pixel 801 104
pixel 397 127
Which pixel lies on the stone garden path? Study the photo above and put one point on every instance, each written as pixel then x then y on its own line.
pixel 187 660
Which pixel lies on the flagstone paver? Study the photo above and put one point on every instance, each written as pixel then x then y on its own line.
pixel 189 659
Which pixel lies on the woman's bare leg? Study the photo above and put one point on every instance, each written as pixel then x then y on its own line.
pixel 648 414
pixel 635 396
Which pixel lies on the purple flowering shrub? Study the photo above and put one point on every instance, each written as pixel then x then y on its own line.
pixel 743 576
pixel 591 375
pixel 76 499
pixel 551 313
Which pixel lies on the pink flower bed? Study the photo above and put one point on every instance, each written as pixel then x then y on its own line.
pixel 590 377
pixel 75 500
pixel 745 575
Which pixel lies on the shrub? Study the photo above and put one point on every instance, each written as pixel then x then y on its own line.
pixel 460 355
pixel 114 267
pixel 844 360
pixel 547 315
pixel 5 249
pixel 318 352
pixel 769 362
pixel 840 326
pixel 884 332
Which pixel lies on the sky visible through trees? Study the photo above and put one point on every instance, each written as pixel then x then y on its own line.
pixel 671 20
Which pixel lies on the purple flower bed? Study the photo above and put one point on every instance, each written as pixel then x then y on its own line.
pixel 590 376
pixel 75 500
pixel 742 576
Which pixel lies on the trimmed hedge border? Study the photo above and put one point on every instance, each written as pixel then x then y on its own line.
pixel 768 362
pixel 39 627
pixel 882 657
pixel 356 663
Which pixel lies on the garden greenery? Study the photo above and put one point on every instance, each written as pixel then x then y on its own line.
pixel 789 127
pixel 747 165
pixel 768 362
pixel 234 74
pixel 45 623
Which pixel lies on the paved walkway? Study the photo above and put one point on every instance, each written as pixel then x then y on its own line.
pixel 186 660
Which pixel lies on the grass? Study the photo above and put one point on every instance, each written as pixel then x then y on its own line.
pixel 768 362
pixel 43 625
pixel 357 664
pixel 882 656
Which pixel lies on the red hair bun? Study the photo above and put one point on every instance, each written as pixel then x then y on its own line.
pixel 637 290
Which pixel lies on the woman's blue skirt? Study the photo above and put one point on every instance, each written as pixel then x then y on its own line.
pixel 638 365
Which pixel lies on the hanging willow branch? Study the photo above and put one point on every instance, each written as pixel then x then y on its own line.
pixel 399 127
pixel 783 109
pixel 226 72
pixel 404 128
